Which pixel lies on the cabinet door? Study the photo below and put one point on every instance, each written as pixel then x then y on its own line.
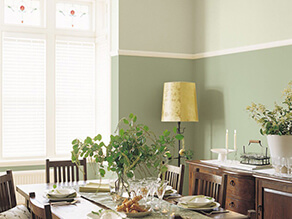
pixel 274 199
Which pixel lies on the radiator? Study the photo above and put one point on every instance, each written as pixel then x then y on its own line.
pixel 28 177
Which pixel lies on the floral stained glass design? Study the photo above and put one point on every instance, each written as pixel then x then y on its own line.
pixel 74 16
pixel 25 12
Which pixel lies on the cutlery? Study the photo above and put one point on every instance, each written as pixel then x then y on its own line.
pixel 64 203
pixel 214 212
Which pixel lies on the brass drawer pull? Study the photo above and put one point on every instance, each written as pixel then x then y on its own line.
pixel 231 204
pixel 232 183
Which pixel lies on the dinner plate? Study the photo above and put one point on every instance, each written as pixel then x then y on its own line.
pixel 62 198
pixel 60 193
pixel 196 200
pixel 104 215
pixel 198 208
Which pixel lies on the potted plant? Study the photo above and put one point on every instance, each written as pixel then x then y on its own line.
pixel 276 124
pixel 135 147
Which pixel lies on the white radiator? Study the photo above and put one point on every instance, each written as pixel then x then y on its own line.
pixel 27 177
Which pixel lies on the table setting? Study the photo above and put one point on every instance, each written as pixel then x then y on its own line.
pixel 148 198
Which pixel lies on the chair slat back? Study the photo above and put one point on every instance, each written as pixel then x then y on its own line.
pixel 39 211
pixel 7 192
pixel 210 185
pixel 65 170
pixel 175 175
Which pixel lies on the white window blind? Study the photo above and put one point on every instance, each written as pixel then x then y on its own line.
pixel 75 93
pixel 23 97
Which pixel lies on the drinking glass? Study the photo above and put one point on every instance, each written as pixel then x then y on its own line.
pixel 144 190
pixel 166 209
pixel 134 187
pixel 153 184
pixel 282 165
pixel 289 166
pixel 161 190
pixel 276 164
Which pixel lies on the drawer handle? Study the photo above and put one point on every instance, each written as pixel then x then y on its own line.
pixel 259 209
pixel 232 183
pixel 231 204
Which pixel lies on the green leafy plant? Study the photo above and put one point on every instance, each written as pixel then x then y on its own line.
pixel 134 147
pixel 277 121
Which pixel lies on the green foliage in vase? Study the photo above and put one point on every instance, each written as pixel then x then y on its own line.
pixel 136 146
pixel 277 121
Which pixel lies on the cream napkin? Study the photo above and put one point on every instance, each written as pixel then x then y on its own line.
pixel 94 187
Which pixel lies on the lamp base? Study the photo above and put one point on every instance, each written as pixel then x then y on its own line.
pixel 222 153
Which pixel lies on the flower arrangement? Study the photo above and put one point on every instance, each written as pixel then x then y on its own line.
pixel 135 147
pixel 277 121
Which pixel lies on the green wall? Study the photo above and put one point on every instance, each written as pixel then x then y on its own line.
pixel 225 86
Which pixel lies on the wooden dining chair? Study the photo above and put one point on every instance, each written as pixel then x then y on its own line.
pixel 210 185
pixel 65 170
pixel 175 176
pixel 7 192
pixel 38 210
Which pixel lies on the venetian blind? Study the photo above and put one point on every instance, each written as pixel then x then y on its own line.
pixel 23 97
pixel 75 93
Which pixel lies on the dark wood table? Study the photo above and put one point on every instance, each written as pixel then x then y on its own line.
pixel 80 210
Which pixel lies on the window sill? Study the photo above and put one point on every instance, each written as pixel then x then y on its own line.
pixel 28 162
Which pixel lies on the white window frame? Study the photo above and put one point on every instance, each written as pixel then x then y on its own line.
pixel 99 34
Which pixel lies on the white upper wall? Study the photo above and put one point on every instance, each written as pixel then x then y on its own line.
pixel 195 26
pixel 224 24
pixel 156 25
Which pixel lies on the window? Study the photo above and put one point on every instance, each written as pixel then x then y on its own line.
pixel 55 79
pixel 73 16
pixel 75 92
pixel 23 12
pixel 23 97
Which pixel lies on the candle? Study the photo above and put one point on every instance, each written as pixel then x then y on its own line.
pixel 235 146
pixel 226 140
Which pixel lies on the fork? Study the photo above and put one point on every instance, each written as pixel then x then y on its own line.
pixel 213 212
pixel 64 203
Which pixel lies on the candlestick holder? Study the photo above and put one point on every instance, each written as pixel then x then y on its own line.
pixel 222 153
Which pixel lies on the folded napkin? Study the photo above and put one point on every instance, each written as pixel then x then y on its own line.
pixel 169 191
pixel 94 187
pixel 72 195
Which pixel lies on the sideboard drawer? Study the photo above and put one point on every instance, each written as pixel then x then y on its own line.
pixel 239 206
pixel 240 187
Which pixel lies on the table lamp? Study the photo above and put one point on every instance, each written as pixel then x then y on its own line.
pixel 179 105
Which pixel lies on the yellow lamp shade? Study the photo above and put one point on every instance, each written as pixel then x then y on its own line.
pixel 179 102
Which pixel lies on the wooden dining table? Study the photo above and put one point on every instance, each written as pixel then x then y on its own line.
pixel 84 206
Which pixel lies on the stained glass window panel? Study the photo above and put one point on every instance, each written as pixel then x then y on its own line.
pixel 73 16
pixel 23 12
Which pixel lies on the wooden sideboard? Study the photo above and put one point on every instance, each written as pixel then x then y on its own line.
pixel 270 196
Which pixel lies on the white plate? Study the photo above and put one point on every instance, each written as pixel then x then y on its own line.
pixel 60 193
pixel 104 215
pixel 92 216
pixel 196 200
pixel 59 199
pixel 199 208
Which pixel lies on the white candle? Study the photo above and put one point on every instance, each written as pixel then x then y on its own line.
pixel 235 146
pixel 226 140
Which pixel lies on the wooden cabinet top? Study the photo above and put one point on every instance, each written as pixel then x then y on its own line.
pixel 234 171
